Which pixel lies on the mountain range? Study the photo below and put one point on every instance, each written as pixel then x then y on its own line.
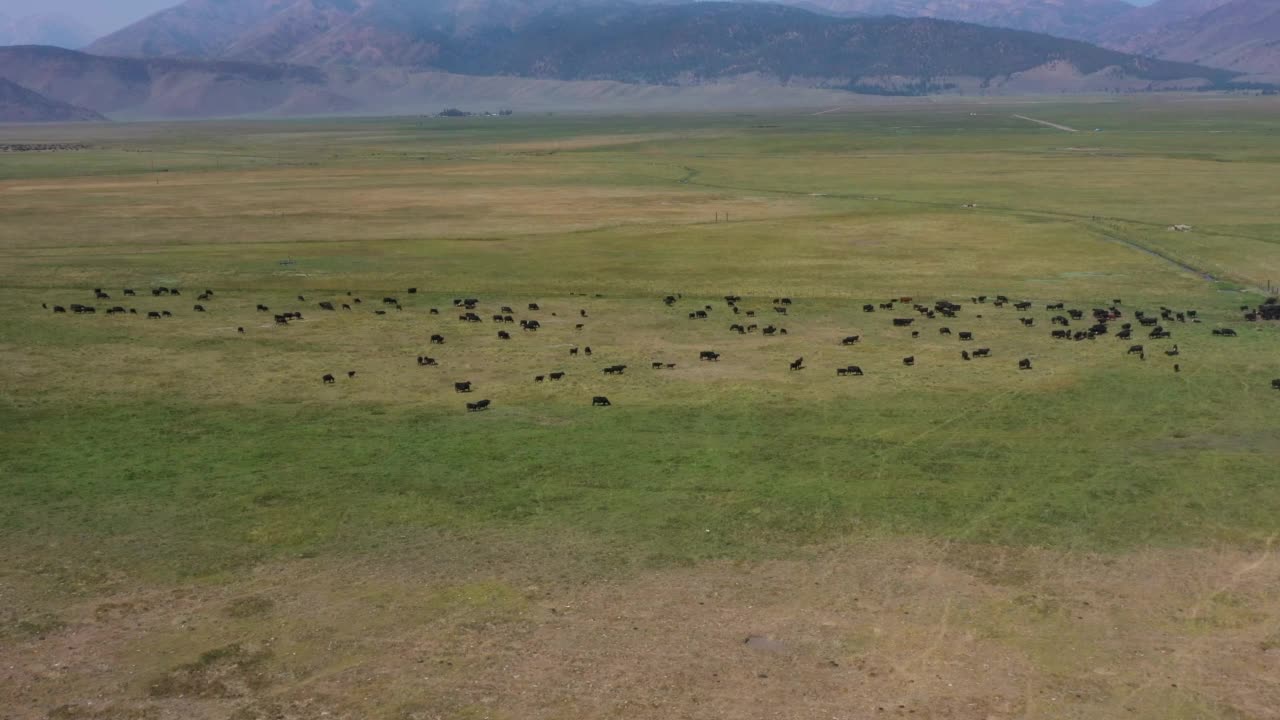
pixel 230 57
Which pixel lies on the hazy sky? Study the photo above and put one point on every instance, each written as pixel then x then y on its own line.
pixel 107 15
pixel 99 15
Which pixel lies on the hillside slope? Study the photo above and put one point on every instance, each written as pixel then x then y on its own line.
pixel 165 87
pixel 19 104
pixel 1242 35
pixel 1077 19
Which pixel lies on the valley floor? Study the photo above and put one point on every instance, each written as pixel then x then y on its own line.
pixel 197 527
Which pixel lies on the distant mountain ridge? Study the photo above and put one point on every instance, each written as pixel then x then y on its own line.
pixel 236 57
pixel 616 41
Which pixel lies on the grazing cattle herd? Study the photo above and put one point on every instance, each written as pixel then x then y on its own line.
pixel 1102 321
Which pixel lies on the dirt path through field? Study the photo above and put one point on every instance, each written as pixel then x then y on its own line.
pixel 1046 123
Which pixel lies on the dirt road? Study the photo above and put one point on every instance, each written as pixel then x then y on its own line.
pixel 1056 126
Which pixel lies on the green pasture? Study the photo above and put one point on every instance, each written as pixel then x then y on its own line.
pixel 182 448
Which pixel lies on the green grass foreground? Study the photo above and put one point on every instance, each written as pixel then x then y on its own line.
pixel 180 448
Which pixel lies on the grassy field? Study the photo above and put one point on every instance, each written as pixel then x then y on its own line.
pixel 195 526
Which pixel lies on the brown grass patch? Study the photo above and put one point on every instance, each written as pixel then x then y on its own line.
pixel 890 627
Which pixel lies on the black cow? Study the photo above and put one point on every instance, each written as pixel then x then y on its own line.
pixel 1024 364
pixel 868 308
pixel 462 387
pixel 280 319
pixel 129 292
pixel 1076 314
pixel 709 355
pixel 587 351
pixel 351 374
pixel 1028 322
pixel 1134 349
pixel 1024 305
pixel 769 330
pixel 850 340
pixel 425 361
pixel 600 401
pixel 1060 334
pixel 902 322
pixel 538 378
pixel 437 339
pixel 504 335
pixel 798 364
pixel 240 330
pixel 263 308
pixel 556 376
pixel 909 360
pixel 966 336
pixel 737 328
pixel 478 406
pixel 153 315
pixel 328 379
pixel 1275 384
pixel 1224 332
pixel 1124 334
pixel 615 370
pixel 530 325
pixel 198 308
pixel 386 301
pixel 534 306
pixel 413 291
pixel 944 331
pixel 1172 353
pixel 379 312
pixel 59 309
pixel 657 366
pixel 573 351
pixel 326 305
pixel 982 352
